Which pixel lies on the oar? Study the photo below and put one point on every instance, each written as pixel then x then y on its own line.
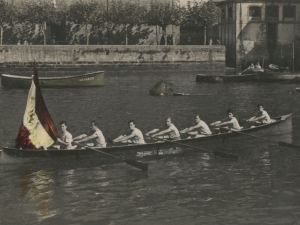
pixel 187 94
pixel 139 165
pixel 223 154
pixel 243 71
pixel 265 139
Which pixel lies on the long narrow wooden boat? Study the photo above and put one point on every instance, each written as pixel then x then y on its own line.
pixel 94 79
pixel 266 76
pixel 226 141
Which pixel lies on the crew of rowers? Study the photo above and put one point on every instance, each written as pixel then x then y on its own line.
pixel 170 132
pixel 257 66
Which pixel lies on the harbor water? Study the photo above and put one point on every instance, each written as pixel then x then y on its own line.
pixel 261 187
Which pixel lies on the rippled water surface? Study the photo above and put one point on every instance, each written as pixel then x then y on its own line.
pixel 262 187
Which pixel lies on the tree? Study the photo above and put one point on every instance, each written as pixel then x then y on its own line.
pixel 127 14
pixel 201 14
pixel 86 13
pixel 163 14
pixel 6 16
pixel 40 13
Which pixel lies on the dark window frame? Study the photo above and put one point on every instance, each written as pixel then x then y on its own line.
pixel 272 14
pixel 256 10
pixel 230 12
pixel 292 8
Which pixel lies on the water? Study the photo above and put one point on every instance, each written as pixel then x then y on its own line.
pixel 262 187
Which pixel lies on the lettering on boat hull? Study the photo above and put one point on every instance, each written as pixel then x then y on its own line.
pixel 87 79
pixel 167 151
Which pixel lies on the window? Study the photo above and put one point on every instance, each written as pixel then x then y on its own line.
pixel 272 12
pixel 255 13
pixel 223 13
pixel 230 12
pixel 289 12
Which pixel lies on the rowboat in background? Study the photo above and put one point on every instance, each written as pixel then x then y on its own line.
pixel 94 79
pixel 265 76
pixel 282 125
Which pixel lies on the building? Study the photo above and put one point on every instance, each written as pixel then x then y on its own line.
pixel 265 31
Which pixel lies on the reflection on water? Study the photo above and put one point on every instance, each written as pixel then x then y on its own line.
pixel 36 187
pixel 261 187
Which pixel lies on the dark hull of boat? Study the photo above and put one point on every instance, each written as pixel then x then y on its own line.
pixel 94 79
pixel 254 77
pixel 219 142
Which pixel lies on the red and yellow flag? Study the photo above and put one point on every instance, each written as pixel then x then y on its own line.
pixel 37 129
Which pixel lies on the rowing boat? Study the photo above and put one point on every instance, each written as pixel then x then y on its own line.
pixel 94 79
pixel 265 76
pixel 282 125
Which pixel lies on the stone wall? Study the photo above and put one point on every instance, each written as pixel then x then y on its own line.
pixel 189 58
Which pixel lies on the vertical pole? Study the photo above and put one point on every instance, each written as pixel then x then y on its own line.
pixel 106 10
pixel 45 29
pixel 126 35
pixel 156 36
pixel 87 35
pixel 204 34
pixel 173 25
pixel 107 21
pixel 1 34
pixel 293 56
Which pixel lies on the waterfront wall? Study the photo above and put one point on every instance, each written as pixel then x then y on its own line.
pixel 108 57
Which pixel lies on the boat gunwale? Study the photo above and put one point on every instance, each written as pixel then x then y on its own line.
pixel 279 119
pixel 52 78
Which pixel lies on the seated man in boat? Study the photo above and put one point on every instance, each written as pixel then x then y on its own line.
pixel 66 137
pixel 134 135
pixel 200 129
pixel 230 122
pixel 170 130
pixel 251 66
pixel 261 117
pixel 257 66
pixel 96 136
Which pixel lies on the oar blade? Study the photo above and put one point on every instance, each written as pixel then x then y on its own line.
pixel 224 154
pixel 139 165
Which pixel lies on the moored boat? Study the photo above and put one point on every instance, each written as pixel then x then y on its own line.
pixel 282 125
pixel 265 76
pixel 93 79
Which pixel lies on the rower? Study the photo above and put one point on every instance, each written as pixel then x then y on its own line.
pixel 261 117
pixel 66 137
pixel 97 136
pixel 170 129
pixel 134 135
pixel 229 122
pixel 257 66
pixel 200 129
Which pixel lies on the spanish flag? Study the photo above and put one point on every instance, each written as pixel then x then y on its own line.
pixel 37 129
